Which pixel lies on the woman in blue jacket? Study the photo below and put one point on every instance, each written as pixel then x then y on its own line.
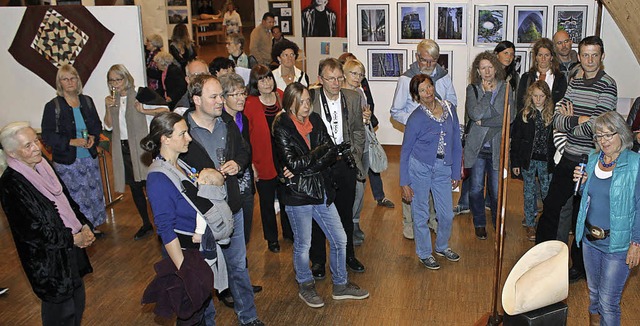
pixel 608 223
pixel 72 127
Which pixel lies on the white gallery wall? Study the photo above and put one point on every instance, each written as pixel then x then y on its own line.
pixel 619 61
pixel 24 94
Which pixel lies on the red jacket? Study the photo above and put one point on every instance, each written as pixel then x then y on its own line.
pixel 260 135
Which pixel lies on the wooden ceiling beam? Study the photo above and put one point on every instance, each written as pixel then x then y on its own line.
pixel 625 14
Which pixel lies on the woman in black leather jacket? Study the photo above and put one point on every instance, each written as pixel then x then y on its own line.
pixel 304 147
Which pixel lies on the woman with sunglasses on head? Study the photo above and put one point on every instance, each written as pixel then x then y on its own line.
pixel 608 225
pixel 128 120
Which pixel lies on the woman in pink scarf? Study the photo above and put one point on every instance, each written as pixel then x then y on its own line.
pixel 48 228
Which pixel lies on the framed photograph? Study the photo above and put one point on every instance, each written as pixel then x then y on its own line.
pixel 451 23
pixel 173 3
pixel 282 10
pixel 490 27
pixel 178 15
pixel 445 60
pixel 520 59
pixel 572 19
pixel 413 22
pixel 385 64
pixel 530 24
pixel 373 26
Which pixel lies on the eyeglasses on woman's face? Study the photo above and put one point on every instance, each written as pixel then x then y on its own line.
pixel 237 95
pixel 115 80
pixel 601 137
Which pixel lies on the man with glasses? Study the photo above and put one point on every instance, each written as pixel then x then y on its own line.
pixel 211 130
pixel 567 57
pixel 427 53
pixel 586 98
pixel 342 115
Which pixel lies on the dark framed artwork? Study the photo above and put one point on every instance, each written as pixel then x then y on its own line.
pixel 373 28
pixel 385 64
pixel 520 58
pixel 445 60
pixel 283 10
pixel 573 20
pixel 413 22
pixel 490 25
pixel 333 12
pixel 451 23
pixel 177 15
pixel 530 24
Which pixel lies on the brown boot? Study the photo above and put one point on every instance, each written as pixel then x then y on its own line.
pixel 594 320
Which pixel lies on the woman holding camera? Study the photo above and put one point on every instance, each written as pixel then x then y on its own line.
pixel 306 150
pixel 608 222
pixel 430 161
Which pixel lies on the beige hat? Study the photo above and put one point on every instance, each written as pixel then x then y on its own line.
pixel 539 278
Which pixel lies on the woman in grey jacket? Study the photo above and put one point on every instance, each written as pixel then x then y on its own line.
pixel 485 107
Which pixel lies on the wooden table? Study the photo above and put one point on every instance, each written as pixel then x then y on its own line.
pixel 207 27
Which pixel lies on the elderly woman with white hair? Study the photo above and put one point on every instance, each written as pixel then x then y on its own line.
pixel 48 228
pixel 72 127
pixel 173 79
pixel 608 225
pixel 152 46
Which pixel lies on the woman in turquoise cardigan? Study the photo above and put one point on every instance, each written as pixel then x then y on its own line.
pixel 608 223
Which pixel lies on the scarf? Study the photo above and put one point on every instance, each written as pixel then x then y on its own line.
pixel 304 128
pixel 46 182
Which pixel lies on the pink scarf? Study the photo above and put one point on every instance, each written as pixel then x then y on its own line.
pixel 47 183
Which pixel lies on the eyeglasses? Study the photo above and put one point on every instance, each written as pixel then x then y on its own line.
pixel 333 79
pixel 66 79
pixel 115 80
pixel 423 60
pixel 563 42
pixel 606 137
pixel 236 95
pixel 356 74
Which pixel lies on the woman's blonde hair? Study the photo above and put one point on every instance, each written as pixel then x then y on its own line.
pixel 530 110
pixel 163 58
pixel 67 68
pixel 122 72
pixel 613 121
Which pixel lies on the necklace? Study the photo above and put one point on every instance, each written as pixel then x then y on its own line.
pixel 191 172
pixel 607 165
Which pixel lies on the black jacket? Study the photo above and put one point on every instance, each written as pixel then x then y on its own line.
pixel 311 167
pixel 557 91
pixel 44 244
pixel 237 150
pixel 64 153
pixel 522 137
pixel 175 85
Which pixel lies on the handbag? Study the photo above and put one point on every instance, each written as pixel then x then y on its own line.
pixel 377 157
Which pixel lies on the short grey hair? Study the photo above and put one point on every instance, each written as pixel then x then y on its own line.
pixel 614 122
pixel 163 58
pixel 8 135
pixel 230 82
pixel 156 40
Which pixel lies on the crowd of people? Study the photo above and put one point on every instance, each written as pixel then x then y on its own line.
pixel 254 122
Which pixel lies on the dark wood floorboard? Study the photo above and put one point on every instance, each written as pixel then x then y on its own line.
pixel 403 292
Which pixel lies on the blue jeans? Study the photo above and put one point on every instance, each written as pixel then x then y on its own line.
pixel 436 179
pixel 483 169
pixel 607 274
pixel 377 189
pixel 329 221
pixel 530 191
pixel 463 201
pixel 235 255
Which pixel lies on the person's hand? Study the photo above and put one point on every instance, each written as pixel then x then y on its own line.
pixel 230 168
pixel 407 194
pixel 566 108
pixel 366 114
pixel 168 99
pixel 454 184
pixel 196 238
pixel 633 255
pixel 90 141
pixel 78 142
pixel 577 174
pixel 489 86
pixel 139 107
pixel 583 118
pixel 84 238
pixel 287 174
pixel 516 171
pixel 210 177
pixel 636 135
pixel 109 101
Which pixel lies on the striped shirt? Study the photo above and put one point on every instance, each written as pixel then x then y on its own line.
pixel 590 97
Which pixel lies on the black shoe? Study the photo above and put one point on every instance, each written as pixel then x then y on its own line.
pixel 256 288
pixel 355 265
pixel 318 271
pixel 226 298
pixel 575 275
pixel 256 322
pixel 481 233
pixel 98 234
pixel 144 231
pixel 273 246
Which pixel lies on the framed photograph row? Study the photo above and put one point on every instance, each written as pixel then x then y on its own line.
pixel 388 65
pixel 489 28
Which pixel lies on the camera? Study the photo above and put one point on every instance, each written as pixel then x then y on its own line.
pixel 344 153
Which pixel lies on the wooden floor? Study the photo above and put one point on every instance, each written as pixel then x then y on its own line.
pixel 403 292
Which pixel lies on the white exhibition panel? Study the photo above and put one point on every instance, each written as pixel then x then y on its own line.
pixel 24 94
